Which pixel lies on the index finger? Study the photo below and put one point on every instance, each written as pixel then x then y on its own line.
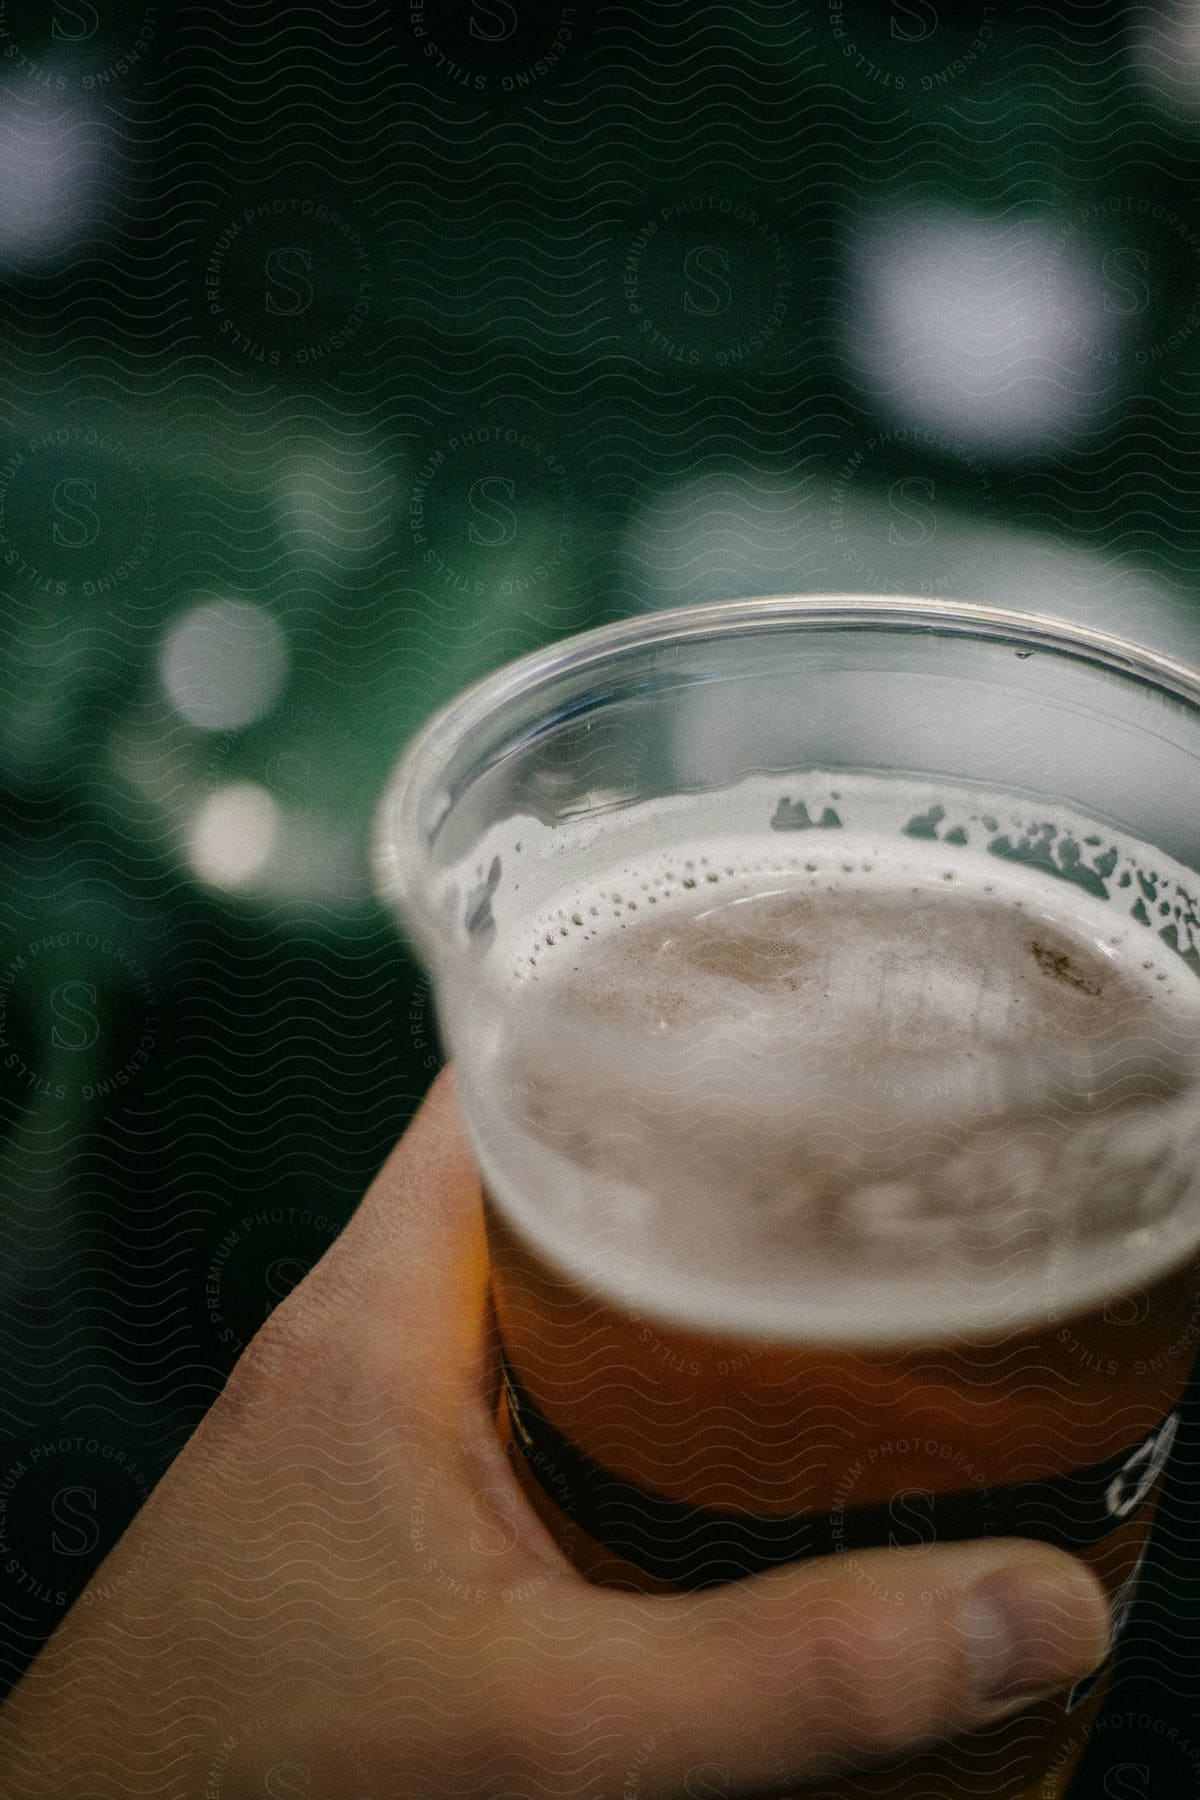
pixel 410 1270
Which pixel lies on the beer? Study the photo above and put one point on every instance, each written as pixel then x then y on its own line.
pixel 838 1131
pixel 841 1191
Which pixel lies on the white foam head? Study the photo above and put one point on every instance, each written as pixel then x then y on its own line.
pixel 690 1110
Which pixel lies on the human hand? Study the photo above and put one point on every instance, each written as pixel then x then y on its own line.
pixel 338 1589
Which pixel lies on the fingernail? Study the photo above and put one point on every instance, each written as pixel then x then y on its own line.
pixel 1029 1632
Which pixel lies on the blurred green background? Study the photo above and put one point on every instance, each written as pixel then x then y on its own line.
pixel 347 353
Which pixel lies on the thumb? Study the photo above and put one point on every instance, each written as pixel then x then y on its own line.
pixel 789 1674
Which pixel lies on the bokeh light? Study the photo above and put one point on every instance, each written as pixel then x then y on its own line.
pixel 991 329
pixel 232 835
pixel 224 664
pixel 1166 41
pixel 50 173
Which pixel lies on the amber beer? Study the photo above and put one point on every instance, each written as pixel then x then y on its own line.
pixel 821 978
pixel 863 1264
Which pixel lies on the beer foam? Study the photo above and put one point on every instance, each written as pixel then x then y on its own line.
pixel 837 1058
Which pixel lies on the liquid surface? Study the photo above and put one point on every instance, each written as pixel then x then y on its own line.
pixel 868 1071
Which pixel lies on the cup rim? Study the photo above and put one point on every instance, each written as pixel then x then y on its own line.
pixel 397 836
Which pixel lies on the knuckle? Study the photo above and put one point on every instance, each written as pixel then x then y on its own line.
pixel 256 1379
pixel 246 1385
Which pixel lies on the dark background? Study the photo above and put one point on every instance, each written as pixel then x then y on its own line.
pixel 346 353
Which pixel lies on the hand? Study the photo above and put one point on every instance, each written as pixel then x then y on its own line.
pixel 338 1590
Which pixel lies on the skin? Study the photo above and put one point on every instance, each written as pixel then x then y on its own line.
pixel 339 1590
